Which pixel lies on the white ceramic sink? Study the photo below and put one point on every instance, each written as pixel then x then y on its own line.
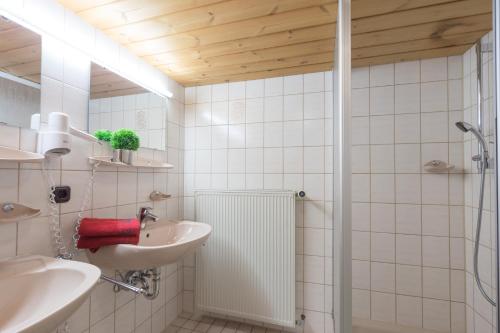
pixel 39 293
pixel 161 243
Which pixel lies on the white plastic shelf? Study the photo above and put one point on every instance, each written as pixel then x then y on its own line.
pixel 106 160
pixel 8 154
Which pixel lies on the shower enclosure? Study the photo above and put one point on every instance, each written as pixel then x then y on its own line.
pixel 496 111
pixel 473 149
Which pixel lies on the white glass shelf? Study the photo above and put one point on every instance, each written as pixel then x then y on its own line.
pixel 13 212
pixel 8 154
pixel 106 160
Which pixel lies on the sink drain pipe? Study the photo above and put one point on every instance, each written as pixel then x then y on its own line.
pixel 149 289
pixel 123 285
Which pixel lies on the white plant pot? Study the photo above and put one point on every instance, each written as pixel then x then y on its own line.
pixel 107 149
pixel 103 149
pixel 123 156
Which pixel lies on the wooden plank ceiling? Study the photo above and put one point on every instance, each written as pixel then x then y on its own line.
pixel 20 51
pixel 207 41
pixel 105 83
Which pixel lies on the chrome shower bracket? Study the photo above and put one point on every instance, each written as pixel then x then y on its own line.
pixel 479 159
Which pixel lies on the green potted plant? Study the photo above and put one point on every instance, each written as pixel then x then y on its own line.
pixel 104 136
pixel 124 141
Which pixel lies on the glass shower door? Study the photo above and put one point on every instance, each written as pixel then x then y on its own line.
pixel 494 84
pixel 342 298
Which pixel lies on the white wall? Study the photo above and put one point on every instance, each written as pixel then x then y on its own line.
pixel 145 113
pixel 117 192
pixel 408 245
pixel 18 102
pixel 480 314
pixel 408 240
pixel 270 134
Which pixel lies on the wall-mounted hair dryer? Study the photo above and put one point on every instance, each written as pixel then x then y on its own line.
pixel 56 139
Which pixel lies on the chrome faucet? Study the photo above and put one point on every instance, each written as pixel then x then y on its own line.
pixel 146 214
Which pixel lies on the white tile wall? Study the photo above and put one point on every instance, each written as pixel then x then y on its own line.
pixel 65 84
pixel 145 113
pixel 480 314
pixel 269 134
pixel 403 217
pixel 18 102
pixel 407 259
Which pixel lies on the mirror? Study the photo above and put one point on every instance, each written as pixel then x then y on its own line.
pixel 116 102
pixel 20 68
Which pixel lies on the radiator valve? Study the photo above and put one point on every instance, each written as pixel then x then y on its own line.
pixel 300 322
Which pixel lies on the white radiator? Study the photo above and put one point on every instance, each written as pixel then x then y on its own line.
pixel 247 268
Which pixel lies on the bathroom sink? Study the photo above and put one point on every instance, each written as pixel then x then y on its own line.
pixel 160 243
pixel 39 293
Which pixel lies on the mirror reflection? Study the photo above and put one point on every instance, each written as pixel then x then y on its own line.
pixel 117 103
pixel 20 64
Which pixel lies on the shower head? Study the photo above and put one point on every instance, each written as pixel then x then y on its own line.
pixel 463 126
pixel 466 127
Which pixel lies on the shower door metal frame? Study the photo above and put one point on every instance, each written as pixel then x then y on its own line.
pixel 496 64
pixel 342 160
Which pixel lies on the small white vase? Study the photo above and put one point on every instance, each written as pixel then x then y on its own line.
pixel 123 156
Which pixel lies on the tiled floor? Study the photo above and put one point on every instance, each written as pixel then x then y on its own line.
pixel 187 323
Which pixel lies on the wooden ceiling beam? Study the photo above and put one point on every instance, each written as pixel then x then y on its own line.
pixel 24 69
pixel 214 15
pixel 295 50
pixel 259 66
pixel 33 78
pixel 22 55
pixel 432 30
pixel 123 12
pixel 284 38
pixel 16 38
pixel 263 74
pixel 439 29
pixel 107 14
pixel 312 48
pixel 326 45
pixel 418 45
pixel 251 28
pixel 206 41
pixel 360 55
pixel 111 86
pixel 242 30
pixel 410 56
pixel 211 13
pixel 368 8
pixel 105 78
pixel 416 16
pixel 77 5
pixel 121 92
pixel 105 83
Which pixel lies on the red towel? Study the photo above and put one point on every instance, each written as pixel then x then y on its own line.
pixel 94 243
pixel 90 227
pixel 95 233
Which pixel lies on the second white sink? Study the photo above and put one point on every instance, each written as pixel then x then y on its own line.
pixel 161 243
pixel 39 293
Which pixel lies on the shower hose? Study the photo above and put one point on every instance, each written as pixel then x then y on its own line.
pixel 478 232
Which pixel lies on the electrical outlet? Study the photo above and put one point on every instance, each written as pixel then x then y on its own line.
pixel 62 194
